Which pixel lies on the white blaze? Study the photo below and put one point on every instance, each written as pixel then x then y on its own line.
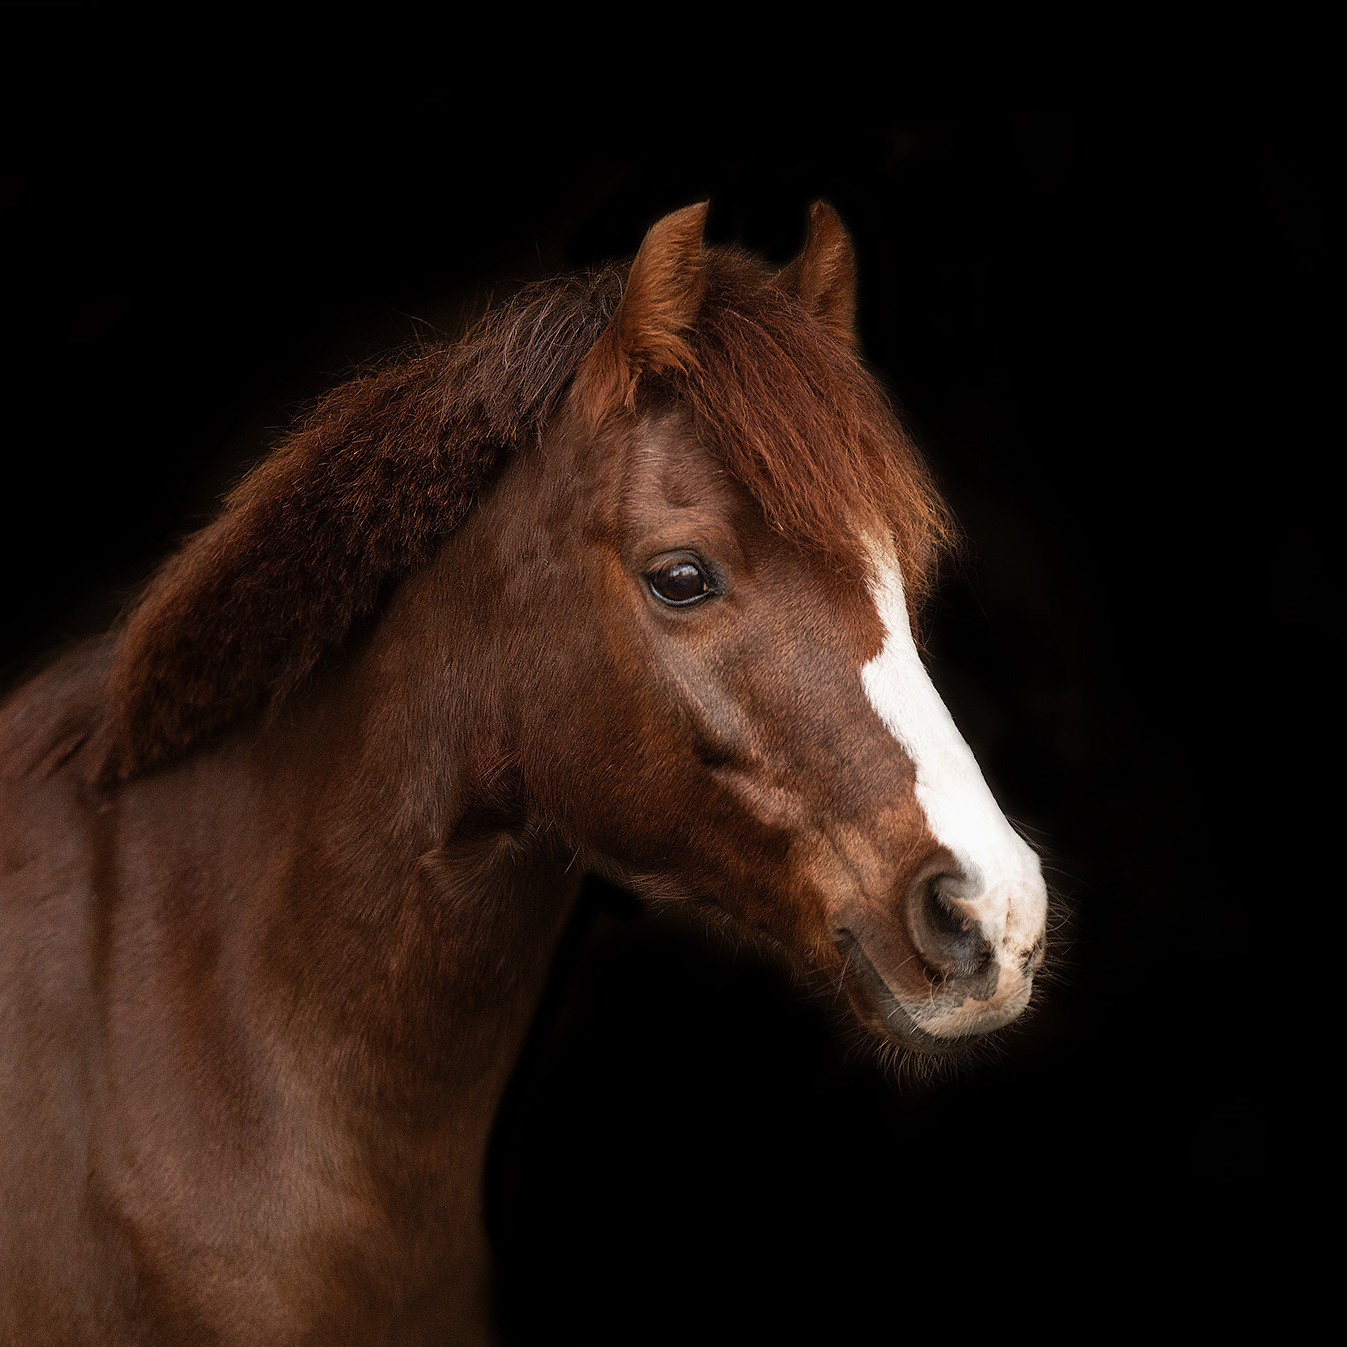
pixel 1007 894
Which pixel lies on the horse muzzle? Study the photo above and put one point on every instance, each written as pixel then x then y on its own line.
pixel 972 990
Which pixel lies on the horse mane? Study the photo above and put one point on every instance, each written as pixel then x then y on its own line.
pixel 381 469
pixel 387 465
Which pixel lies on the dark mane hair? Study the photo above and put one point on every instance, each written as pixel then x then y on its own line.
pixel 387 465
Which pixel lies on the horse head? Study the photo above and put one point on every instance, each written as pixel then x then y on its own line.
pixel 727 703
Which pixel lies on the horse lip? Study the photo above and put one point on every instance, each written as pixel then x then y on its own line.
pixel 896 1018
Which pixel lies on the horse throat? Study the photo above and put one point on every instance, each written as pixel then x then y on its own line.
pixel 420 971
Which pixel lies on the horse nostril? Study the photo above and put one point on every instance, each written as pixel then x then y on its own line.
pixel 945 916
pixel 947 936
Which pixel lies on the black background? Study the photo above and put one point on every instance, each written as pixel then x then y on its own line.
pixel 1104 326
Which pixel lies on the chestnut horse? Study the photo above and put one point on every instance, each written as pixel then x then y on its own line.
pixel 625 581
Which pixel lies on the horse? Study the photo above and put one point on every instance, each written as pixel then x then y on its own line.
pixel 624 582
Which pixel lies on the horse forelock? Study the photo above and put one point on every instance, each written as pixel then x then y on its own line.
pixel 789 407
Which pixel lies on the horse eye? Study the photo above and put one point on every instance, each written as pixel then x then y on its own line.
pixel 679 582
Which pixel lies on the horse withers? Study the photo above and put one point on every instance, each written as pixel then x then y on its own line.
pixel 624 582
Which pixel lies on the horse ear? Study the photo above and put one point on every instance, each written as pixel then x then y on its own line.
pixel 660 302
pixel 823 277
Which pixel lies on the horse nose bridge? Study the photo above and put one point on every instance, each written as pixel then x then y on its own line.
pixel 999 878
pixel 999 883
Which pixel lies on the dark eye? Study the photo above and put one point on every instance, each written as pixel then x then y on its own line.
pixel 679 582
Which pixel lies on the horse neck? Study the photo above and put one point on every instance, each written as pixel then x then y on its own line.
pixel 410 927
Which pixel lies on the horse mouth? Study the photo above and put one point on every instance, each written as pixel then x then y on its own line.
pixel 940 1024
